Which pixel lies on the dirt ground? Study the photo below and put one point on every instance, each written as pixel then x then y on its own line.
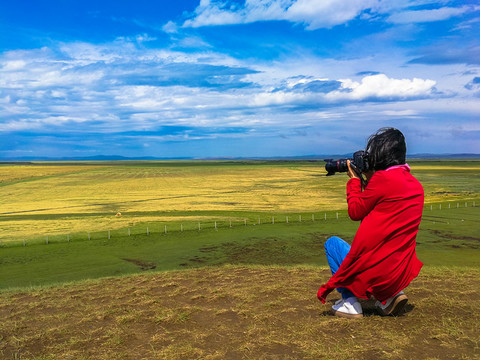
pixel 237 312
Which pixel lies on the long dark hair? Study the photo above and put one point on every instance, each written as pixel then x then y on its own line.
pixel 386 148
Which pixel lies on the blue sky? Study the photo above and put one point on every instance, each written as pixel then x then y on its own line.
pixel 215 78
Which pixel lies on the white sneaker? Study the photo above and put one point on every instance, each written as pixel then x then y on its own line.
pixel 394 305
pixel 348 308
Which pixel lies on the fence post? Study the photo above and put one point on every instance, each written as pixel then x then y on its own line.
pixel 128 231
pixel 300 218
pixel 165 229
pixel 230 223
pixel 287 219
pixel 24 242
pixel 89 235
pixel 215 225
pixel 68 238
pixel 313 217
pixel 440 206
pixel 337 215
pixel 47 240
pixel 148 232
pixel 181 227
pixel 199 228
pixel 325 216
pixel 108 234
pixel 273 219
pixel 245 221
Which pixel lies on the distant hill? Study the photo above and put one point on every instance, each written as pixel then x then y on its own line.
pixel 444 156
pixel 79 158
pixel 151 158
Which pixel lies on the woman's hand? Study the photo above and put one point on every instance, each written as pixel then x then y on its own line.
pixel 351 173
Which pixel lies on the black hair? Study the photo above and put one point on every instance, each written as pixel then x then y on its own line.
pixel 386 148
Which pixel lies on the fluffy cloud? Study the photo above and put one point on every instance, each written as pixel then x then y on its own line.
pixel 116 86
pixel 379 88
pixel 382 87
pixel 316 14
pixel 327 13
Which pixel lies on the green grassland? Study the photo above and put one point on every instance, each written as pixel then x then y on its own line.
pixel 447 238
pixel 240 286
pixel 211 213
pixel 187 214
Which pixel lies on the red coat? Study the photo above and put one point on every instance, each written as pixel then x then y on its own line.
pixel 382 260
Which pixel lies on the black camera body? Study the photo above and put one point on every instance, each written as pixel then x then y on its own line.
pixel 359 163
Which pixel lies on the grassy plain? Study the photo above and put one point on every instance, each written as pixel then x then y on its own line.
pixel 87 198
pixel 210 213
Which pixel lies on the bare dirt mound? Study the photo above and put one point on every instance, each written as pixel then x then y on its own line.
pixel 142 265
pixel 237 312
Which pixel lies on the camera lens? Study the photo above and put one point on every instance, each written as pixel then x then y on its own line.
pixel 333 166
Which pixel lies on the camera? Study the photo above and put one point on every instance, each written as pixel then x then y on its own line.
pixel 359 163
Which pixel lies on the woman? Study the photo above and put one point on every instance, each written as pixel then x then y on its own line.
pixel 382 260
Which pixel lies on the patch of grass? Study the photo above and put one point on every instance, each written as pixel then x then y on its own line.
pixel 446 237
pixel 259 312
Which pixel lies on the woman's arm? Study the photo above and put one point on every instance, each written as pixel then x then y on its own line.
pixel 361 203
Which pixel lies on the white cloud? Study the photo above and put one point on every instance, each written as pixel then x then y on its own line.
pixel 170 27
pixel 316 14
pixel 402 113
pixel 381 87
pixel 467 24
pixel 32 124
pixel 115 87
pixel 371 88
pixel 212 14
pixel 193 42
pixel 145 38
pixel 417 16
pixel 327 13
pixel 14 65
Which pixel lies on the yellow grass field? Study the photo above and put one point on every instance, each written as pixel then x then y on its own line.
pixel 62 198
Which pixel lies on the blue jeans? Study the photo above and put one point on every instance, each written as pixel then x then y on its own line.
pixel 336 249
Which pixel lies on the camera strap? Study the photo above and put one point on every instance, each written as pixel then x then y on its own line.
pixel 364 182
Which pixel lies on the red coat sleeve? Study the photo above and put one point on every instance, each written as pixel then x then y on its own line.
pixel 361 203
